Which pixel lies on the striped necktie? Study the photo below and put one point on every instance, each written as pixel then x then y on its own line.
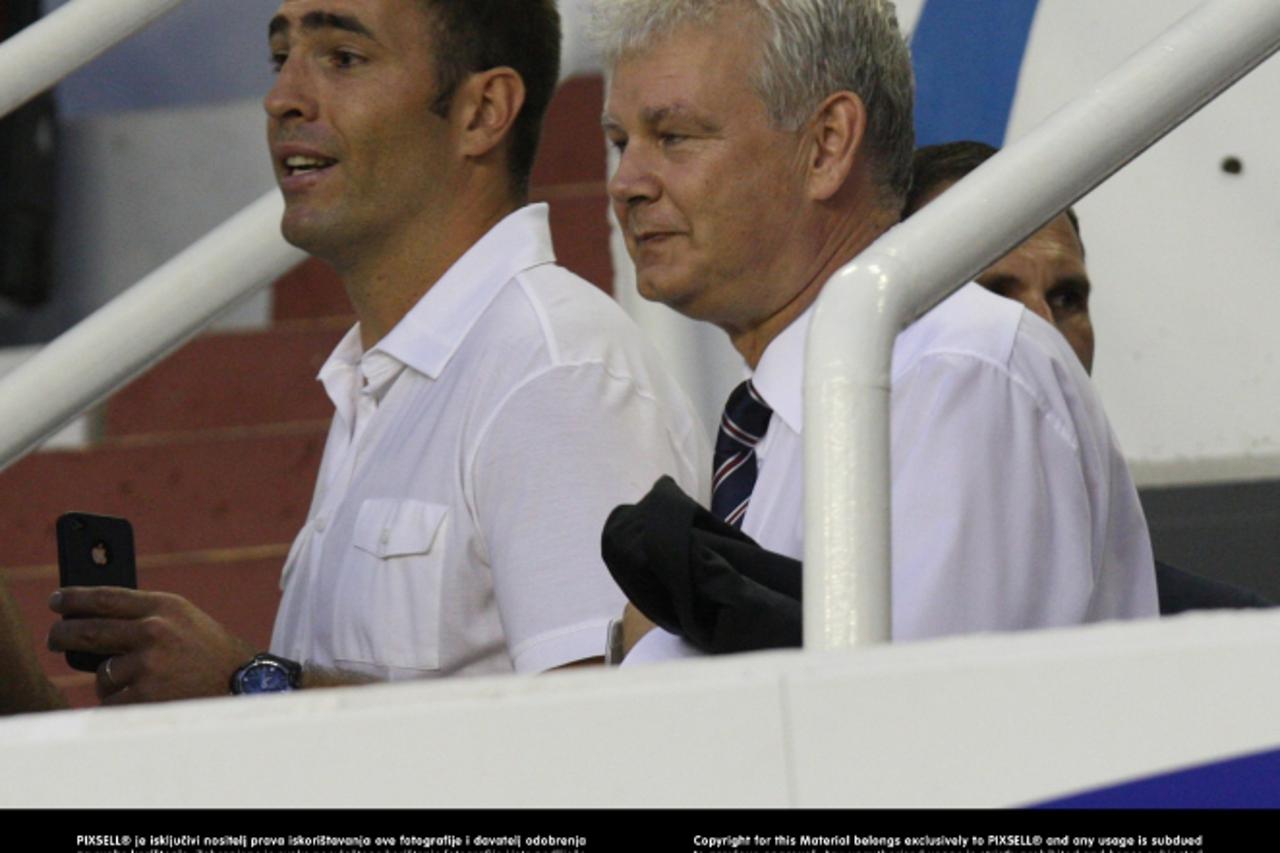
pixel 746 417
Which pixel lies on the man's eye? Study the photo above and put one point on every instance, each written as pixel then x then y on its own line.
pixel 619 144
pixel 346 59
pixel 669 139
pixel 277 61
pixel 1068 300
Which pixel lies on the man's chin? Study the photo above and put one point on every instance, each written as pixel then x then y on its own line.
pixel 305 232
pixel 654 289
pixel 677 295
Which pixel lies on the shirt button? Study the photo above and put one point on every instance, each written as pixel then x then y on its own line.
pixel 386 535
pixel 320 524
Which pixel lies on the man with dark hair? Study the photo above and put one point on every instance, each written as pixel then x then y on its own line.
pixel 1046 273
pixel 763 144
pixel 475 35
pixel 491 407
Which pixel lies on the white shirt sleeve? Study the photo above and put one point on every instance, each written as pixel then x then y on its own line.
pixel 565 448
pixel 1010 510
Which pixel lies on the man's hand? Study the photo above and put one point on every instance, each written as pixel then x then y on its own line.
pixel 163 647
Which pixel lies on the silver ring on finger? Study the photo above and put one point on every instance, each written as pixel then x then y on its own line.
pixel 106 670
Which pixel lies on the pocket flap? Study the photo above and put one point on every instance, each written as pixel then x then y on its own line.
pixel 390 527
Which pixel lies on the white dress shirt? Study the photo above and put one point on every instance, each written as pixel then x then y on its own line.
pixel 1012 507
pixel 474 455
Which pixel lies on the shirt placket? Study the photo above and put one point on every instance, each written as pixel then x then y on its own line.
pixel 335 491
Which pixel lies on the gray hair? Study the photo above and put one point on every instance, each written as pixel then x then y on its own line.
pixel 812 49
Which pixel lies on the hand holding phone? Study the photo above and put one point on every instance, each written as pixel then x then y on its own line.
pixel 94 550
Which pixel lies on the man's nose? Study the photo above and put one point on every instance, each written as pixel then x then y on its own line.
pixel 290 96
pixel 634 180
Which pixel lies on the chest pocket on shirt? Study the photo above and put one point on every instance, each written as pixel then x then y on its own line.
pixel 390 593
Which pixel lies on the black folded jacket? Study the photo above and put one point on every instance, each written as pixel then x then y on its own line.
pixel 696 576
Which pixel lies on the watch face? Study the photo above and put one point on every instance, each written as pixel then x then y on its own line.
pixel 264 677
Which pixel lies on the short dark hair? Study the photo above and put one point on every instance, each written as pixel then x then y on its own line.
pixel 476 35
pixel 934 166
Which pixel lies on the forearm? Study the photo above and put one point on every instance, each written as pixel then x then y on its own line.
pixel 24 688
pixel 314 677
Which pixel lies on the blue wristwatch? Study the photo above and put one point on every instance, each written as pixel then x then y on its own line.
pixel 266 674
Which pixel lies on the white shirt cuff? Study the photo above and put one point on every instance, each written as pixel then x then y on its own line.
pixel 580 642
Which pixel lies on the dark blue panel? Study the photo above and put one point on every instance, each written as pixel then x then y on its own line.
pixel 1252 782
pixel 968 54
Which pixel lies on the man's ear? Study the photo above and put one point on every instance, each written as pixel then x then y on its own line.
pixel 489 102
pixel 835 134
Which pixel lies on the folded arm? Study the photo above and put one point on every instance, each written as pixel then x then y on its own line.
pixel 162 646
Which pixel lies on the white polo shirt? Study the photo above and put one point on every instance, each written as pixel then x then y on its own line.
pixel 474 455
pixel 1012 506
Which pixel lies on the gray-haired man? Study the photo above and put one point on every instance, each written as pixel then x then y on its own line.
pixel 762 146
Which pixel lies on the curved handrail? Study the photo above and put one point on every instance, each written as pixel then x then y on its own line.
pixel 140 326
pixel 917 264
pixel 68 37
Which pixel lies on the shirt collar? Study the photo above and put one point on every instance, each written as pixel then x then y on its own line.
pixel 339 374
pixel 427 337
pixel 779 375
pixel 377 371
pixel 349 373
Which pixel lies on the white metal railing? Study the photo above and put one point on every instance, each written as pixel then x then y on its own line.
pixel 916 265
pixel 143 324
pixel 42 54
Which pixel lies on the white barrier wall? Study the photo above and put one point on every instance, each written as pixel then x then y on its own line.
pixel 973 722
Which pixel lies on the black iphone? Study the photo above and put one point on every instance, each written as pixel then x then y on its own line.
pixel 94 550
